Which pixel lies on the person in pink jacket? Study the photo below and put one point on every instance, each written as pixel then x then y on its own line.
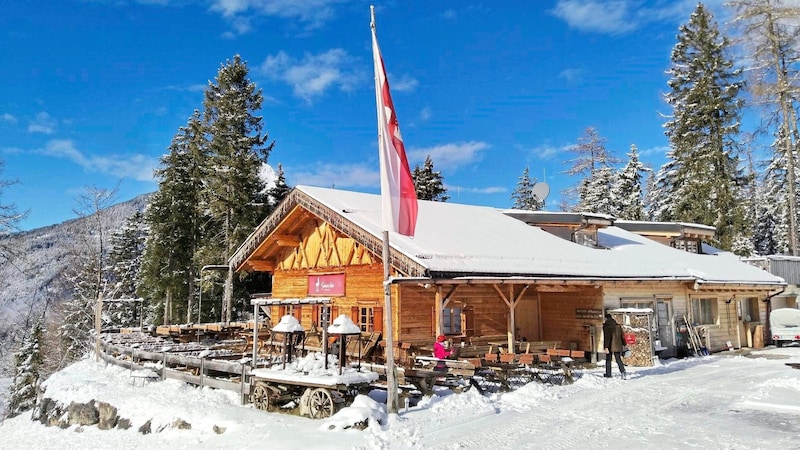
pixel 439 350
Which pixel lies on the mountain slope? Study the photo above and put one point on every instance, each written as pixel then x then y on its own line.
pixel 33 278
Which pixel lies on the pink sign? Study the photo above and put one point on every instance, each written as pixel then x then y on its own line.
pixel 327 284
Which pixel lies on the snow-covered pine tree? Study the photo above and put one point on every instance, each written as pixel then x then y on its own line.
pixel 280 190
pixel 27 363
pixel 773 227
pixel 658 207
pixel 523 196
pixel 597 194
pixel 594 163
pixel 429 183
pixel 174 219
pixel 627 190
pixel 127 245
pixel 237 149
pixel 704 88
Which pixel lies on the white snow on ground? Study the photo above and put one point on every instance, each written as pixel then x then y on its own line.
pixel 721 401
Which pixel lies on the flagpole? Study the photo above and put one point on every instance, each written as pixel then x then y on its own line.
pixel 391 375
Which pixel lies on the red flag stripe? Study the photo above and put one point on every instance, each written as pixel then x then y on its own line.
pixel 399 198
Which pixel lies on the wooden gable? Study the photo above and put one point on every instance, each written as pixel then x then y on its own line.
pixel 304 234
pixel 303 241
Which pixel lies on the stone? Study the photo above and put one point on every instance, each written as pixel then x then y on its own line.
pixel 107 416
pixel 218 429
pixel 83 413
pixel 181 424
pixel 123 423
pixel 145 429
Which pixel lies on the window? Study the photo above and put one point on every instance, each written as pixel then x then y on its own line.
pixel 451 320
pixel 369 318
pixel 750 310
pixel 586 237
pixel 323 316
pixel 688 245
pixel 704 311
pixel 366 318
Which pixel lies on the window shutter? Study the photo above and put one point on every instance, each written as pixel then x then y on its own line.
pixel 334 313
pixel 354 315
pixel 281 312
pixel 297 312
pixel 315 321
pixel 377 319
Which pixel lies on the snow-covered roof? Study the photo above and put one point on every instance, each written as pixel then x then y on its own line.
pixel 465 240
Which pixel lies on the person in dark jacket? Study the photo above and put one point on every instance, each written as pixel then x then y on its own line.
pixel 613 342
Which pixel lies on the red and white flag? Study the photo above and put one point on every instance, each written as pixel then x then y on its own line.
pixel 398 196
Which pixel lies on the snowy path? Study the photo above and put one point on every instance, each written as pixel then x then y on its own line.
pixel 689 404
pixel 719 402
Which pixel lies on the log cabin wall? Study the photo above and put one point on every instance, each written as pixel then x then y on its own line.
pixel 488 311
pixel 667 299
pixel 729 325
pixel 363 288
pixel 560 322
pixel 483 312
pixel 415 319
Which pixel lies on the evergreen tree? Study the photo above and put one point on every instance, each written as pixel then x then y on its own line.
pixel 704 88
pixel 278 192
pixel 628 189
pixel 237 149
pixel 174 219
pixel 594 164
pixel 28 363
pixel 429 183
pixel 658 207
pixel 597 193
pixel 523 195
pixel 127 245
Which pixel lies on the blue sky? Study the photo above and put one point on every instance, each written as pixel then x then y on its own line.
pixel 92 92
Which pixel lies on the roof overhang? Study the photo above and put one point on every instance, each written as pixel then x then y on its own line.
pixel 667 229
pixel 269 301
pixel 539 218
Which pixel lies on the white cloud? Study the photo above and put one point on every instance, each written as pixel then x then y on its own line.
pixel 653 151
pixel 403 84
pixel 425 114
pixel 42 123
pixel 314 74
pixel 136 166
pixel 621 16
pixel 336 175
pixel 450 14
pixel 547 151
pixel 450 156
pixel 573 76
pixel 6 117
pixel 312 13
pixel 454 190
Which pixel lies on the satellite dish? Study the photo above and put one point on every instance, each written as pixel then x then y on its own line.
pixel 540 190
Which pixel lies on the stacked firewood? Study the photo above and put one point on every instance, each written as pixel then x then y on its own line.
pixel 637 325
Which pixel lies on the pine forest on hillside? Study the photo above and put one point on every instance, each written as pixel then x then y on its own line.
pixel 155 264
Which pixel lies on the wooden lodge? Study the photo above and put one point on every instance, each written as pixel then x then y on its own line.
pixel 490 277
